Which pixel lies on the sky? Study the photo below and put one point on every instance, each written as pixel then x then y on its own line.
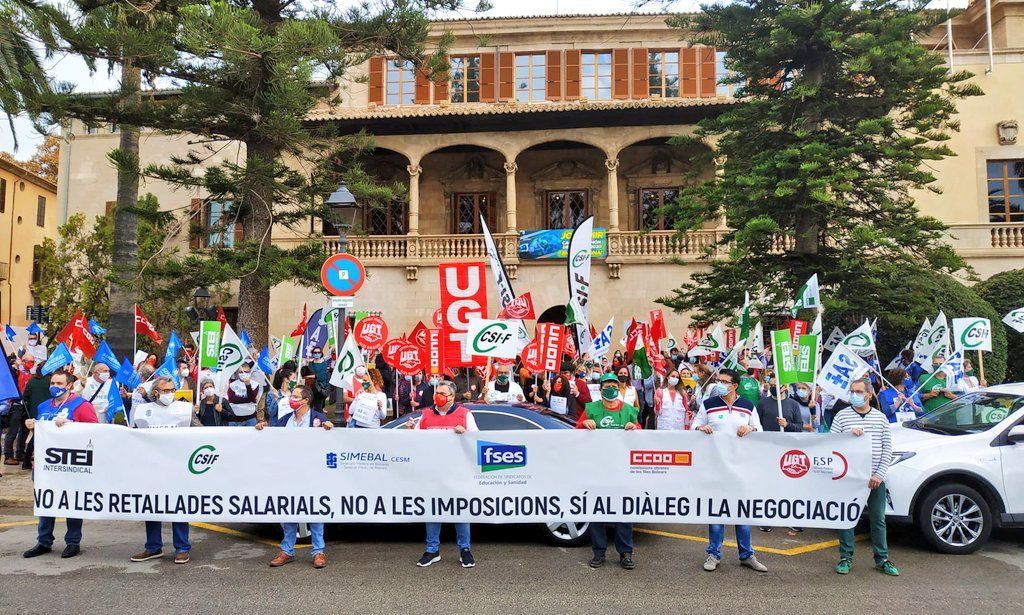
pixel 73 70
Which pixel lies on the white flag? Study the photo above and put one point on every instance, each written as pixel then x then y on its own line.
pixel 816 326
pixel 714 341
pixel 938 336
pixel 807 296
pixel 757 339
pixel 921 341
pixel 861 341
pixel 578 266
pixel 954 367
pixel 348 360
pixel 840 371
pixel 972 334
pixel 232 354
pixel 1015 320
pixel 603 342
pixel 834 339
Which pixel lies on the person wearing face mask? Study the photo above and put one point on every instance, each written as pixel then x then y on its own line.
pixel 320 371
pixel 610 413
pixel 504 390
pixel 96 389
pixel 933 388
pixel 970 381
pixel 446 414
pixel 243 394
pixel 141 393
pixel 371 404
pixel 672 404
pixel 209 406
pixel 768 410
pixel 185 376
pixel 61 407
pixel 689 384
pixel 725 412
pixel 469 386
pixel 860 418
pixel 300 416
pixel 807 405
pixel 423 396
pixel 627 392
pixel 403 396
pixel 14 442
pixel 164 411
pixel 351 390
pixel 897 398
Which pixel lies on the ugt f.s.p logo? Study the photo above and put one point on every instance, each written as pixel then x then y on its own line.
pixel 795 463
pixel 493 456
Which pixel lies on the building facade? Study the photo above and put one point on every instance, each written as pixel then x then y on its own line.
pixel 28 215
pixel 558 118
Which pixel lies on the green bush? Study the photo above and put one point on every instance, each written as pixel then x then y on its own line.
pixel 1005 292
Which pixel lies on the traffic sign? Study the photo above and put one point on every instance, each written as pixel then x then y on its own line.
pixel 343 275
pixel 342 302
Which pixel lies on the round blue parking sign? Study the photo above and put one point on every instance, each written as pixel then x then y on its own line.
pixel 343 275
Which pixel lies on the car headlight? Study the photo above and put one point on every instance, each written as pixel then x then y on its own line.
pixel 899 456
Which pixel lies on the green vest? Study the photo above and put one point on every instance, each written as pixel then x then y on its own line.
pixel 607 419
pixel 749 389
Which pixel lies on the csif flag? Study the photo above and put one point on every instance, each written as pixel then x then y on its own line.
pixel 348 360
pixel 714 341
pixel 861 341
pixel 578 260
pixel 1015 320
pixel 807 297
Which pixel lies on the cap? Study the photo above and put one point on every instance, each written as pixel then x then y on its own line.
pixel 609 378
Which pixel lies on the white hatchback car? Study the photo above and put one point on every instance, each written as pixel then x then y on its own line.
pixel 958 471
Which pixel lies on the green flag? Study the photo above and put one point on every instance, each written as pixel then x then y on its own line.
pixel 288 345
pixel 807 296
pixel 573 313
pixel 785 363
pixel 209 343
pixel 329 321
pixel 806 357
pixel 745 318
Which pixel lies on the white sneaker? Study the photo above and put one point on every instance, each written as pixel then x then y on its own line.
pixel 711 563
pixel 752 563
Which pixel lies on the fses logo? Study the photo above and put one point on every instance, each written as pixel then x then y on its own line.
pixel 794 463
pixel 660 458
pixel 492 456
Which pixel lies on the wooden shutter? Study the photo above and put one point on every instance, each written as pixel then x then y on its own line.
pixel 708 80
pixel 239 231
pixel 641 84
pixel 108 207
pixel 572 74
pixel 620 73
pixel 196 228
pixel 506 75
pixel 421 92
pixel 377 80
pixel 441 85
pixel 688 72
pixel 554 75
pixel 488 77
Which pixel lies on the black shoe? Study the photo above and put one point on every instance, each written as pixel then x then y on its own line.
pixel 428 559
pixel 626 561
pixel 466 558
pixel 765 528
pixel 70 551
pixel 36 551
pixel 597 561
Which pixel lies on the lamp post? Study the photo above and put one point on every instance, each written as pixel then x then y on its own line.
pixel 343 210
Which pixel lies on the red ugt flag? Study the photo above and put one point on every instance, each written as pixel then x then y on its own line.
pixel 143 326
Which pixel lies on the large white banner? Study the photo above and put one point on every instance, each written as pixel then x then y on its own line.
pixel 362 475
pixel 579 257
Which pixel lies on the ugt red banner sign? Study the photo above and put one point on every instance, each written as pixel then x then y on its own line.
pixel 551 339
pixel 463 297
pixel 371 332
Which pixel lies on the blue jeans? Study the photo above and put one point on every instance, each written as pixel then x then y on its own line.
pixel 623 537
pixel 434 536
pixel 291 533
pixel 71 537
pixel 246 423
pixel 179 531
pixel 716 534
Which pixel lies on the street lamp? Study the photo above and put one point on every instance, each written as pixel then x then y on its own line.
pixel 201 302
pixel 343 210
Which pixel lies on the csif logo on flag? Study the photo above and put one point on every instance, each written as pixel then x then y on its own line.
pixel 494 456
pixel 580 258
pixel 858 340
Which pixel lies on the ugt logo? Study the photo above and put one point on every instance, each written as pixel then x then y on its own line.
pixel 493 456
pixel 795 463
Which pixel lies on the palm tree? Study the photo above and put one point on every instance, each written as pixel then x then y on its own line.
pixel 21 74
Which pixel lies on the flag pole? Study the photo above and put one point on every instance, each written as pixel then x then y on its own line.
pixel 778 392
pixel 981 365
pixel 135 332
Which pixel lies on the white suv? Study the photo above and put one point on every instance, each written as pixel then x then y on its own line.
pixel 958 471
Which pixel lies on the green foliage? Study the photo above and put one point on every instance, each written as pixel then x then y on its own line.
pixel 840 110
pixel 1005 292
pixel 21 74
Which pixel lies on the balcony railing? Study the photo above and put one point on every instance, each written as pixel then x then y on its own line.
pixel 971 240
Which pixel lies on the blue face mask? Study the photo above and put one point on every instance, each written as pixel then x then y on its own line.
pixel 56 392
pixel 857 400
pixel 721 389
pixel 802 393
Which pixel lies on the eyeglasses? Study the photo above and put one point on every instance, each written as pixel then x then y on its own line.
pixel 720 381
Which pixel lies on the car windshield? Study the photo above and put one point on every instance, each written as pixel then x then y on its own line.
pixel 972 413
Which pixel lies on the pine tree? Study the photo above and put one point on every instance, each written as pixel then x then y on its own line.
pixel 249 72
pixel 839 112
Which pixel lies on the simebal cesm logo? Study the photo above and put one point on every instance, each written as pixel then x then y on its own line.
pixel 202 459
pixel 975 334
pixel 493 456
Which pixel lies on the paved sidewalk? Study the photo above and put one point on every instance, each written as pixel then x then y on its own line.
pixel 15 487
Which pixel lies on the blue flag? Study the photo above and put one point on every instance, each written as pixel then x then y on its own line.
pixel 174 344
pixel 170 370
pixel 34 328
pixel 60 357
pixel 8 386
pixel 127 376
pixel 244 337
pixel 96 329
pixel 114 402
pixel 10 333
pixel 106 356
pixel 263 362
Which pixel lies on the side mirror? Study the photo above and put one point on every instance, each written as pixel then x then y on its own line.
pixel 1016 434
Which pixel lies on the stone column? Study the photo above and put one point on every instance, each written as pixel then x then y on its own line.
pixel 510 196
pixel 414 198
pixel 612 164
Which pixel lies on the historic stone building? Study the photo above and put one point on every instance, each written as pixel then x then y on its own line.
pixel 547 120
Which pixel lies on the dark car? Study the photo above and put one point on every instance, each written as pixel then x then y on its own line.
pixel 503 417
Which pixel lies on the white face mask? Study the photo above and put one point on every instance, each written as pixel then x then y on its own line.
pixel 103 376
pixel 360 371
pixel 244 376
pixel 33 342
pixel 208 391
pixel 183 371
pixel 166 399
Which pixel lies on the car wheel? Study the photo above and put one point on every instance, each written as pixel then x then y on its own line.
pixel 566 533
pixel 954 518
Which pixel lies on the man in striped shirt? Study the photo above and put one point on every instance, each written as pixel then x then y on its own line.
pixel 858 419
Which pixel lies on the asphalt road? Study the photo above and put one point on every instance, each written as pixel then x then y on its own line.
pixel 371 570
